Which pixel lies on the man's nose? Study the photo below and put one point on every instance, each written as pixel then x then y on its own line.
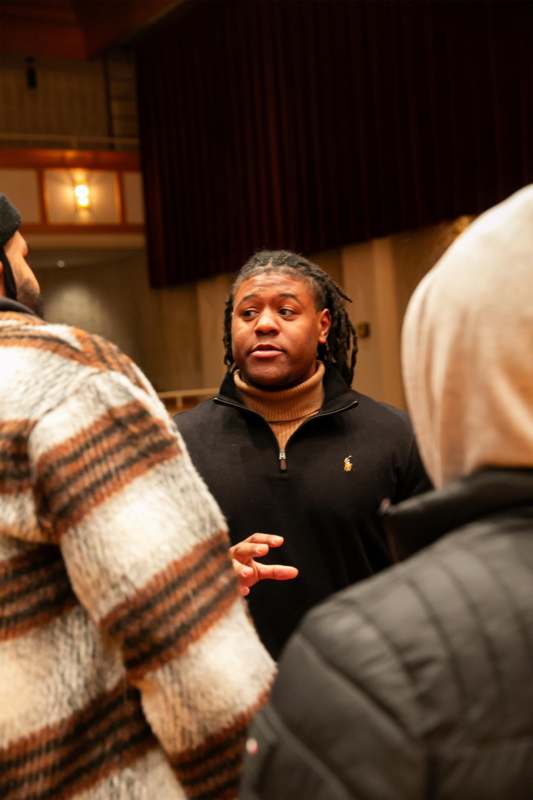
pixel 266 322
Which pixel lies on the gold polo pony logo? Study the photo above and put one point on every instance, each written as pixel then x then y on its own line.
pixel 348 464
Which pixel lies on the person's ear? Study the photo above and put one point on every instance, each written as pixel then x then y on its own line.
pixel 2 284
pixel 324 323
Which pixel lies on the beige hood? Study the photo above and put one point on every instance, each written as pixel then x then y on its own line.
pixel 467 347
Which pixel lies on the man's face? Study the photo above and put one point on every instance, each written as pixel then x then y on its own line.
pixel 28 289
pixel 276 329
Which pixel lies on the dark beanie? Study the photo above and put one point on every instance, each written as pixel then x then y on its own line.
pixel 10 221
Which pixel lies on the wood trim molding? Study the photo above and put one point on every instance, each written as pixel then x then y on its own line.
pixel 43 211
pixel 121 199
pixel 113 227
pixel 89 159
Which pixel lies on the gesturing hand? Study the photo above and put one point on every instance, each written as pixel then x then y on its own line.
pixel 249 571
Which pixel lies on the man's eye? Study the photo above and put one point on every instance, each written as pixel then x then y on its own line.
pixel 248 313
pixel 286 312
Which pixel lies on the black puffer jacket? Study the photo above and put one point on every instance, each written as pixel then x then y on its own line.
pixel 416 684
pixel 323 510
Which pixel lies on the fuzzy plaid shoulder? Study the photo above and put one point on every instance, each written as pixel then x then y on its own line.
pixel 111 547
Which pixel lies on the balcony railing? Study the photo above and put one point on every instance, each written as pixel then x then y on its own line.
pixel 184 399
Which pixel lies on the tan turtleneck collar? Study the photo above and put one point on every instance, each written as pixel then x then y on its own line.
pixel 285 410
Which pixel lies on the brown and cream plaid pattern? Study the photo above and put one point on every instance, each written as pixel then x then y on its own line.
pixel 128 665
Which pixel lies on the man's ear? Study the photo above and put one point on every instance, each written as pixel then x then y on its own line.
pixel 324 322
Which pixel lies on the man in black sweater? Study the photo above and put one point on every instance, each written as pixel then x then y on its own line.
pixel 288 448
pixel 416 684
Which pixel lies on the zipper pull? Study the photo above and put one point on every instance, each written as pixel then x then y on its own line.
pixel 282 461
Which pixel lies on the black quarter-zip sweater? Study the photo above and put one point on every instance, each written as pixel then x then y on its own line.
pixel 339 465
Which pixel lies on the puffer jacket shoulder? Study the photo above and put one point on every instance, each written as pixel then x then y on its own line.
pixel 415 684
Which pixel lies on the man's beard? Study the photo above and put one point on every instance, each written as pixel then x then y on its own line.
pixel 30 297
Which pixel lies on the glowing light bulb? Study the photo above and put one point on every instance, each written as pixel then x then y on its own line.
pixel 82 195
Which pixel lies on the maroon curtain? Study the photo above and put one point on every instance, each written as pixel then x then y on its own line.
pixel 308 124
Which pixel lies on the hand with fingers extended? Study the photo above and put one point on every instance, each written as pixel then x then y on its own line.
pixel 249 571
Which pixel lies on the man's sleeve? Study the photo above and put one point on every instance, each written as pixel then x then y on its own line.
pixel 146 549
pixel 413 478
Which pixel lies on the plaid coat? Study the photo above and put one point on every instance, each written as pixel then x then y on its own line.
pixel 128 665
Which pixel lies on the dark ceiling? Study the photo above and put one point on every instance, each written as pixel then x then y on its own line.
pixel 76 29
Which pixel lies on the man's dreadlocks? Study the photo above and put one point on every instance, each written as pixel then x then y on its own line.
pixel 341 345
